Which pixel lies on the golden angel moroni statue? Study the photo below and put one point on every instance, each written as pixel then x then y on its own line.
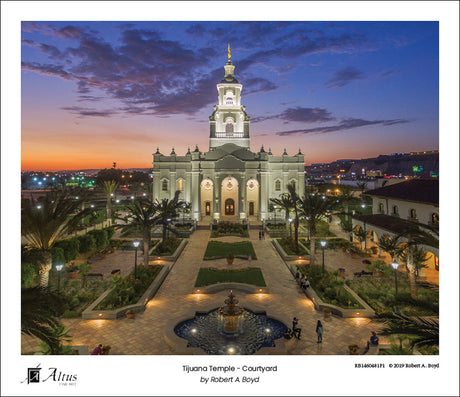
pixel 229 53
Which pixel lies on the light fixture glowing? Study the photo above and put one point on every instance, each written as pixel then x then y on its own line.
pixel 267 330
pixel 231 350
pixel 193 331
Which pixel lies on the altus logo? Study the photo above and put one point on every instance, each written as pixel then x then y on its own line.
pixel 53 375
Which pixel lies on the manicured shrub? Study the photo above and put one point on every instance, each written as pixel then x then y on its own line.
pixel 70 247
pixel 57 256
pixel 100 237
pixel 28 273
pixel 87 243
pixel 110 232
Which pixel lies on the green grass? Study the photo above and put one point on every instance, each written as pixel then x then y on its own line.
pixel 289 246
pixel 219 249
pixel 208 276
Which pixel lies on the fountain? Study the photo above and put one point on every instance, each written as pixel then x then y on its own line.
pixel 231 314
pixel 230 329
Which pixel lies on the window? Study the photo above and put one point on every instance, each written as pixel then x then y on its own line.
pixel 229 128
pixel 381 208
pixel 229 101
pixel 164 185
pixel 277 186
pixel 293 184
pixel 180 185
pixel 251 208
pixel 395 210
pixel 413 214
pixel 435 218
pixel 208 208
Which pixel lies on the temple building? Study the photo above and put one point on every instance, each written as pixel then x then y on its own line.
pixel 229 182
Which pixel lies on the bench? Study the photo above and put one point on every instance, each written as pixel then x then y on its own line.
pixel 115 271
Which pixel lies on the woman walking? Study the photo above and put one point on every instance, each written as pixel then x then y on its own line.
pixel 319 331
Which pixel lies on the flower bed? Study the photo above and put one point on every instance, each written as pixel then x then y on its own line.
pixel 209 276
pixel 379 294
pixel 219 249
pixel 167 248
pixel 329 287
pixel 288 245
pixel 229 229
pixel 128 290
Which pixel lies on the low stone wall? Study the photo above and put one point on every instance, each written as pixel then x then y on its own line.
pixel 173 257
pixel 179 345
pixel 209 289
pixel 91 314
pixel 285 256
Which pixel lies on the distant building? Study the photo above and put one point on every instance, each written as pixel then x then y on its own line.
pixel 229 182
pixel 404 204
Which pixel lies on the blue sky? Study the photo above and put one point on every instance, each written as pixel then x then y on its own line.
pixel 117 90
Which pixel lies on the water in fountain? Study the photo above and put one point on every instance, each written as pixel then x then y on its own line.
pixel 230 330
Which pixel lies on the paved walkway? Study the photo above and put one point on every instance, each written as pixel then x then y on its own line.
pixel 144 334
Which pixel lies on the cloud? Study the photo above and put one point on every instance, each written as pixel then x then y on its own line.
pixel 346 124
pixel 299 114
pixel 86 112
pixel 344 76
pixel 259 84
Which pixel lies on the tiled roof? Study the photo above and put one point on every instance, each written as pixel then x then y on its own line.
pixel 418 190
pixel 397 225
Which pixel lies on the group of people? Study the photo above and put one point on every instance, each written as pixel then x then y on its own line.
pixel 302 280
pixel 296 331
pixel 262 234
pixel 100 350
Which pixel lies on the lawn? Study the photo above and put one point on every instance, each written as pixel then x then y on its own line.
pixel 208 276
pixel 219 249
pixel 167 248
pixel 380 295
pixel 229 229
pixel 288 245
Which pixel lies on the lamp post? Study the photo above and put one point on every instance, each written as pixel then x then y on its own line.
pixel 290 229
pixel 275 207
pixel 323 244
pixel 136 244
pixel 183 214
pixel 59 268
pixel 308 226
pixel 395 267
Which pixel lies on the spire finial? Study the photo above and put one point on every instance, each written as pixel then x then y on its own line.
pixel 229 53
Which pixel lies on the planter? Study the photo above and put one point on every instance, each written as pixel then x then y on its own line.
pixel 229 261
pixel 130 315
pixel 73 275
pixel 353 349
pixel 327 313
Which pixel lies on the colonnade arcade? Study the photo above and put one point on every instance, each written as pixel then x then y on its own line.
pixel 235 198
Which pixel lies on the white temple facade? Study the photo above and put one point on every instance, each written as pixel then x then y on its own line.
pixel 229 182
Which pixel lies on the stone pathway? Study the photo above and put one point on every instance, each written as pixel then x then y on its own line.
pixel 144 335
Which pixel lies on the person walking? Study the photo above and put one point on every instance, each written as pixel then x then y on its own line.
pixel 319 331
pixel 296 330
pixel 97 351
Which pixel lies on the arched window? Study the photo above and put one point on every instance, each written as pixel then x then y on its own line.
pixel 164 185
pixel 395 210
pixel 293 184
pixel 229 128
pixel 229 100
pixel 435 218
pixel 180 185
pixel 277 186
pixel 413 214
pixel 381 208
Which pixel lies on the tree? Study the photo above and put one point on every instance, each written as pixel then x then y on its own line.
pixel 392 245
pixel 45 222
pixel 419 257
pixel 167 210
pixel 421 331
pixel 142 218
pixel 314 208
pixel 361 234
pixel 109 188
pixel 284 203
pixel 40 309
pixel 362 186
pixel 295 203
pixel 345 197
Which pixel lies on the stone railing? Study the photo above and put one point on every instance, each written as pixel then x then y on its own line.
pixel 91 313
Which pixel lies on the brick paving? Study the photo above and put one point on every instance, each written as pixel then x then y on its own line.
pixel 144 335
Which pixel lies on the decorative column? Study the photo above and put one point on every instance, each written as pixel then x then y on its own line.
pixel 263 195
pixel 217 197
pixel 195 193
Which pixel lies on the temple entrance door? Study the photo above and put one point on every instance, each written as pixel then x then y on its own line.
pixel 229 207
pixel 251 208
pixel 208 208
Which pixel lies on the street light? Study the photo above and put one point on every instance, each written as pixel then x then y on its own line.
pixel 323 244
pixel 136 244
pixel 275 207
pixel 183 213
pixel 290 229
pixel 395 267
pixel 59 268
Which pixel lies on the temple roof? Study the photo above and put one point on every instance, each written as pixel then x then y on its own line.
pixel 417 190
pixel 230 148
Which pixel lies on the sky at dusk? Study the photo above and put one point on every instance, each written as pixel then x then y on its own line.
pixel 97 92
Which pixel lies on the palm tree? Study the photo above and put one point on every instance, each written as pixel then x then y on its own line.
pixel 361 234
pixel 345 197
pixel 419 257
pixel 295 203
pixel 362 186
pixel 284 202
pixel 167 210
pixel 40 309
pixel 422 331
pixel 48 221
pixel 314 207
pixel 142 219
pixel 392 245
pixel 109 187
